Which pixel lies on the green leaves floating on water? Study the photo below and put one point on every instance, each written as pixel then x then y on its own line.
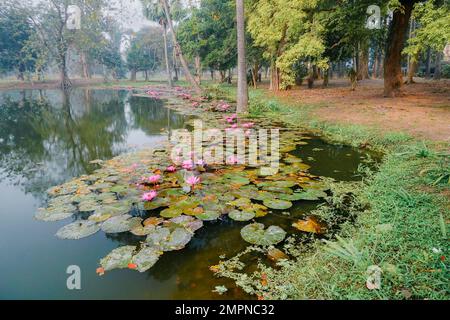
pixel 146 258
pixel 277 184
pixel 118 258
pixel 51 214
pixel 256 234
pixel 238 215
pixel 119 189
pixel 88 206
pixel 277 204
pixel 78 230
pixel 311 195
pixel 168 240
pixel 235 178
pixel 209 215
pixel 171 212
pixel 120 224
pixel 190 223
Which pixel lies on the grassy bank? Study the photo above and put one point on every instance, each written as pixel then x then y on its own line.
pixel 402 229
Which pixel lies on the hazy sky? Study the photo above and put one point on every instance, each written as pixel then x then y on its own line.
pixel 129 13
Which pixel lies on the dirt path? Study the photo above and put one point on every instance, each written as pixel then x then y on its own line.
pixel 424 110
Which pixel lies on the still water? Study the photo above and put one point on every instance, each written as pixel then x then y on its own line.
pixel 47 138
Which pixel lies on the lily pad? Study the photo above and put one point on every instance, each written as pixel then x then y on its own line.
pixel 238 215
pixel 88 206
pixel 209 215
pixel 296 196
pixel 312 195
pixel 78 230
pixel 51 214
pixel 120 224
pixel 118 258
pixel 169 241
pixel 256 234
pixel 278 190
pixel 141 231
pixel 190 223
pixel 171 212
pixel 146 258
pixel 278 184
pixel 119 189
pixel 277 204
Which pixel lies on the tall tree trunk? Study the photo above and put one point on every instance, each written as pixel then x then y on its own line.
pixel 178 50
pixel 375 64
pixel 84 65
pixel 242 93
pixel 166 55
pixel 428 64
pixel 175 66
pixel 146 75
pixel 198 69
pixel 326 78
pixel 412 68
pixel 438 66
pixel 223 75
pixel 255 70
pixel 133 75
pixel 274 77
pixel 393 77
pixel 363 61
pixel 64 77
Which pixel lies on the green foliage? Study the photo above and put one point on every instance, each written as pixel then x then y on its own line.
pixel 433 31
pixel 210 33
pixel 445 73
pixel 145 53
pixel 15 34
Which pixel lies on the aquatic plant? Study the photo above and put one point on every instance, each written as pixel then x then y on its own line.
pixel 149 196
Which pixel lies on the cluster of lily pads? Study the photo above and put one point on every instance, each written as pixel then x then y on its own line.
pixel 145 194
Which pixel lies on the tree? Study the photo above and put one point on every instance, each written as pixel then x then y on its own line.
pixel 430 32
pixel 209 33
pixel 155 12
pixel 187 73
pixel 89 39
pixel 109 54
pixel 289 31
pixel 143 53
pixel 393 78
pixel 242 93
pixel 15 34
pixel 50 21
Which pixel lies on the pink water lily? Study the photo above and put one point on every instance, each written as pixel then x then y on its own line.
pixel 154 179
pixel 248 125
pixel 201 163
pixel 232 160
pixel 193 180
pixel 149 196
pixel 171 169
pixel 234 126
pixel 196 104
pixel 223 106
pixel 188 165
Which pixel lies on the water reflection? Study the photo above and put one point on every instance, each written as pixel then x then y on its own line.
pixel 47 137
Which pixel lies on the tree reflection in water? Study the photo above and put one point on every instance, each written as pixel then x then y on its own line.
pixel 48 137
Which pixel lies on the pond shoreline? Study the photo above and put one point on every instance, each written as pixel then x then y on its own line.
pixel 411 252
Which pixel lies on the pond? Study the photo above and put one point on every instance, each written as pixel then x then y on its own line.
pixel 49 137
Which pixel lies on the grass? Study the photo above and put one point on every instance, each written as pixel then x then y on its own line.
pixel 401 216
